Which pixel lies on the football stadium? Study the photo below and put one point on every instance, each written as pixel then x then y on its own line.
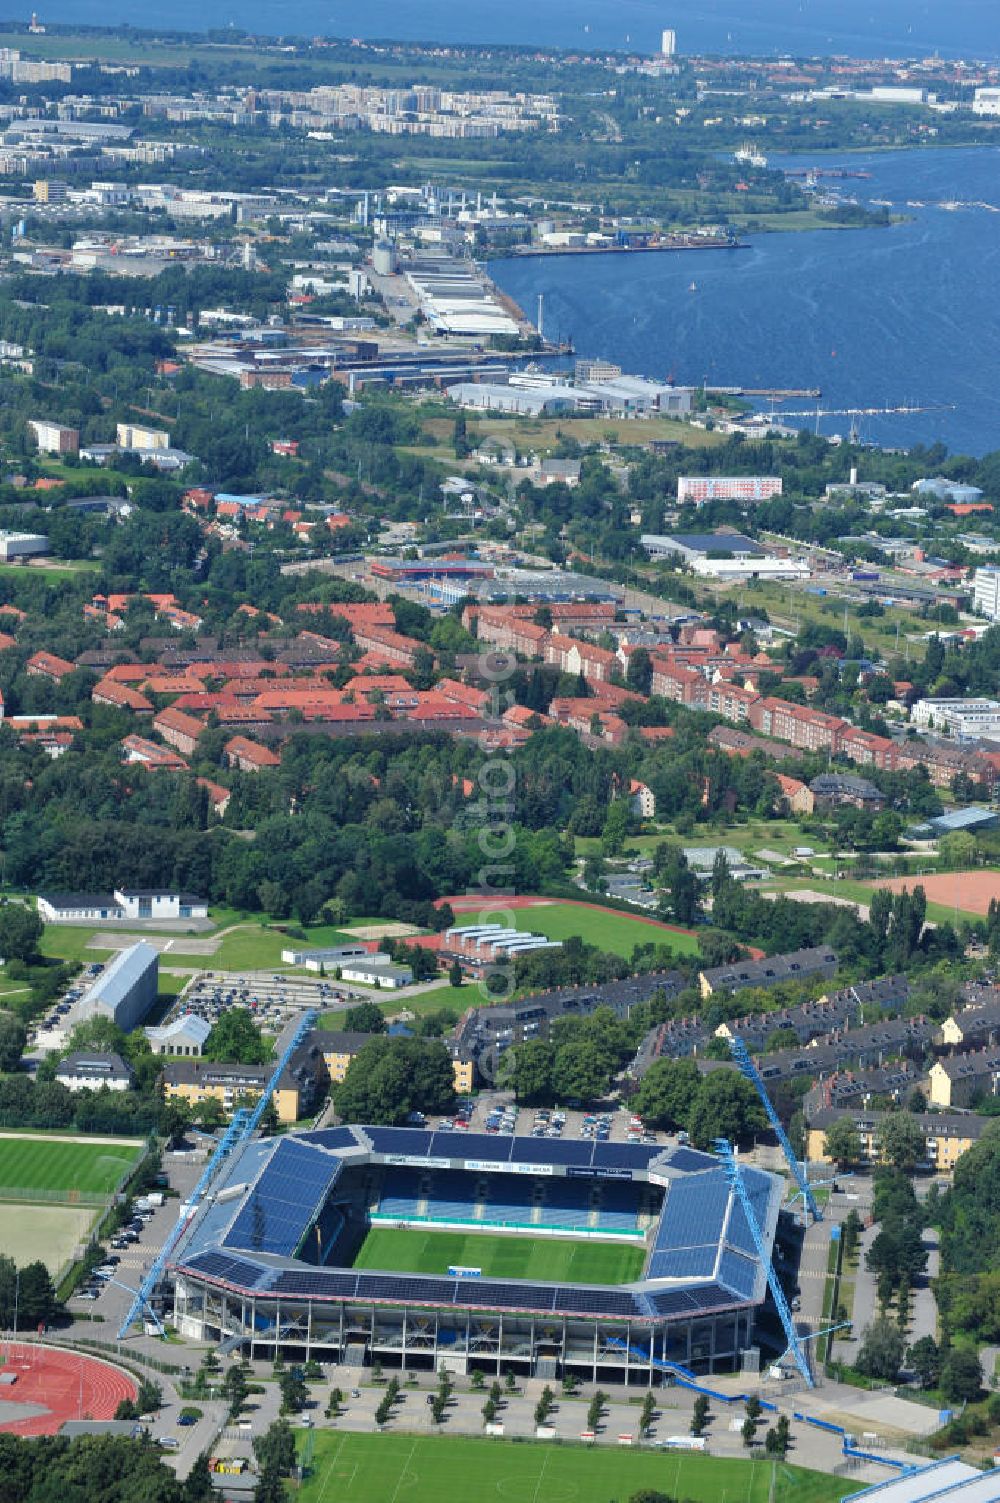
pixel 424 1249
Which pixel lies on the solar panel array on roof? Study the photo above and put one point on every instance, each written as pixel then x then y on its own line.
pixel 217 1265
pixel 476 1145
pixel 738 1272
pixel 690 1161
pixel 330 1137
pixel 279 1209
pixel 624 1155
pixel 738 1233
pixel 693 1217
pixel 412 1140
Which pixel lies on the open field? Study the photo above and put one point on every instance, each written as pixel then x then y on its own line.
pixel 63 1165
pixel 498 1256
pixel 544 435
pixel 968 892
pixel 388 1468
pixel 861 892
pixel 604 927
pixel 48 1234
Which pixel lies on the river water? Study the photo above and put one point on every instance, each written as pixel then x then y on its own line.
pixel 908 315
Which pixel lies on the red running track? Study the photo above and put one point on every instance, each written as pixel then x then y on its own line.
pixel 68 1386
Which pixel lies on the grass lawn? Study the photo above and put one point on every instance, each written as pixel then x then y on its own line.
pixel 604 927
pixel 505 1257
pixel 39 1163
pixel 424 1469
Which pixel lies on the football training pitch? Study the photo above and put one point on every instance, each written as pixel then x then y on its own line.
pixel 62 1169
pixel 411 1250
pixel 391 1468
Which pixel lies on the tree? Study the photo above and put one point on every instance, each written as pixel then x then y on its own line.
pixel 235 1388
pixel 881 1352
pixel 842 1143
pixel 577 1075
pixel 726 1106
pixel 924 1357
pixel 21 931
pixel 366 1017
pixel 667 1093
pixel 615 829
pixel 294 1393
pixel 961 1375
pixel 639 673
pixel 236 1039
pixel 699 1415
pixel 899 1141
pixel 13 1038
pixel 456 976
pixel 276 1448
pixel 776 1441
pixel 390 1078
pixel 198 1483
pixel 527 1071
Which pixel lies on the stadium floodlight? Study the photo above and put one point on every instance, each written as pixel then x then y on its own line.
pixel 749 1071
pixel 795 1349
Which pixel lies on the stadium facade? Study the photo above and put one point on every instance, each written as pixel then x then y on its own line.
pixel 265 1263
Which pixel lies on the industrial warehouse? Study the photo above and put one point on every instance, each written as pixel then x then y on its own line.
pixel 275 1258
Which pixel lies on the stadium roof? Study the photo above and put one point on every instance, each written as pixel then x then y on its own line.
pixel 703 1255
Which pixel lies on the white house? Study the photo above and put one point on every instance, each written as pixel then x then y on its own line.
pixel 93 1072
pixel 376 970
pixel 185 1035
pixel 642 799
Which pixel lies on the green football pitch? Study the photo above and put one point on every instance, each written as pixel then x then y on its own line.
pixel 63 1165
pixel 391 1468
pixel 410 1250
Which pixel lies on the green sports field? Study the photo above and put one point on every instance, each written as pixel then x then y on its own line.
pixel 391 1468
pixel 63 1165
pixel 604 927
pixel 410 1250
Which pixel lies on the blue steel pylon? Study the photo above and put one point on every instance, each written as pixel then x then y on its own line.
pixel 748 1069
pixel 727 1154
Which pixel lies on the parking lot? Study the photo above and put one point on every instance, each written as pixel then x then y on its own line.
pixel 53 1031
pixel 273 1000
pixel 496 1113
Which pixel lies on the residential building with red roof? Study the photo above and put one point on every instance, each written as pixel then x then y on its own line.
pixel 396 647
pixel 249 756
pixel 48 665
pixel 797 795
pixel 218 796
pixel 179 729
pixel 150 754
pixel 121 697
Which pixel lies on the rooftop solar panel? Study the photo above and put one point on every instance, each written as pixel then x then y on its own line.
pixel 410 1140
pixel 690 1161
pixel 315 1282
pixel 215 1265
pixel 684 1262
pixel 624 1155
pixel 478 1145
pixel 279 1209
pixel 329 1137
pixel 552 1151
pixel 738 1272
pixel 596 1302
